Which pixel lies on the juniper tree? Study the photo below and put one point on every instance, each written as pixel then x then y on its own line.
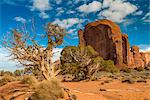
pixel 28 52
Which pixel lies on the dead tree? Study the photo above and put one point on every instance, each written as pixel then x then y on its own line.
pixel 28 52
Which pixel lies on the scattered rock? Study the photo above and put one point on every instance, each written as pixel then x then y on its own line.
pixel 141 80
pixel 128 80
pixel 102 89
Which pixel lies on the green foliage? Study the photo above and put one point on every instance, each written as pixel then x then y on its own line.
pixel 127 70
pixel 5 79
pixel 139 68
pixel 18 72
pixel 75 62
pixel 109 66
pixel 2 73
pixel 55 34
pixel 48 90
pixel 84 65
pixel 31 80
pixel 90 51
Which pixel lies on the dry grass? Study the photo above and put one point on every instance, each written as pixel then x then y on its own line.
pixel 48 90
pixel 31 80
pixel 5 79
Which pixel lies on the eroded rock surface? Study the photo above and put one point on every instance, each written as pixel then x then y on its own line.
pixel 107 39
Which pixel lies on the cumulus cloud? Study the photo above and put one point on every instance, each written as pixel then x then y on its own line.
pixel 71 12
pixel 43 15
pixel 144 48
pixel 91 7
pixel 5 62
pixel 146 18
pixel 72 31
pixel 117 10
pixel 11 65
pixel 67 23
pixel 58 1
pixel 138 13
pixel 20 19
pixel 57 54
pixel 60 11
pixel 41 6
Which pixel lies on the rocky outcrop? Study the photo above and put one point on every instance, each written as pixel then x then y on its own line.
pixel 147 58
pixel 107 39
pixel 139 59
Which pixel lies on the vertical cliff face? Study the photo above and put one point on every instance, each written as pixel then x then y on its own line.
pixel 147 58
pixel 100 39
pixel 106 38
pixel 138 58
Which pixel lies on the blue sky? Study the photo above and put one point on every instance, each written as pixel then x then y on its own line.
pixel 133 16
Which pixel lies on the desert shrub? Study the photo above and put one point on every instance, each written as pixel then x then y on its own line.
pixel 48 90
pixel 74 62
pixel 27 79
pixel 105 65
pixel 83 65
pixel 109 66
pixel 5 79
pixel 127 70
pixel 128 80
pixel 18 72
pixel 147 68
pixel 139 68
pixel 141 80
pixel 2 73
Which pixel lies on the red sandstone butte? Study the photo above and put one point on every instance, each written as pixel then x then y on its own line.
pixel 107 39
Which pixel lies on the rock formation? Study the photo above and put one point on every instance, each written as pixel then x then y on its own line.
pixel 138 57
pixel 147 58
pixel 107 39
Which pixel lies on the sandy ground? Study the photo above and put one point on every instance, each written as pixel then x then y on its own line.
pixel 112 90
pixel 14 91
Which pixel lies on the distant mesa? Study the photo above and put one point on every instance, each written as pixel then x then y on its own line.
pixel 107 39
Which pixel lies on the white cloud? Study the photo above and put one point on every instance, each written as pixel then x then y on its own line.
pixel 72 31
pixel 43 15
pixel 138 13
pixel 77 1
pixel 12 65
pixel 5 62
pixel 41 6
pixel 128 22
pixel 58 1
pixel 20 19
pixel 91 7
pixel 146 18
pixel 106 3
pixel 144 48
pixel 60 11
pixel 57 54
pixel 67 23
pixel 71 12
pixel 117 10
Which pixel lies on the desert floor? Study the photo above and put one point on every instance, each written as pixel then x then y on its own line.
pixel 114 90
pixel 103 89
